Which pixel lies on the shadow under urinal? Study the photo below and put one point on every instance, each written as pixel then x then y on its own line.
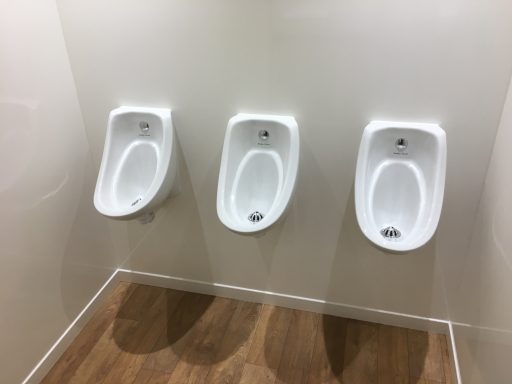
pixel 357 261
pixel 268 240
pixel 344 341
pixel 146 305
pixel 355 250
pixel 191 326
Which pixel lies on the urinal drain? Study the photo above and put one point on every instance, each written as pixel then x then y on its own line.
pixel 255 217
pixel 390 233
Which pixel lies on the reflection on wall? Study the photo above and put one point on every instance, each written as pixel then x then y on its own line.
pixel 54 249
pixel 481 305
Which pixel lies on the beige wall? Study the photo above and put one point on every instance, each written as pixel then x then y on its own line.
pixel 55 251
pixel 481 304
pixel 334 65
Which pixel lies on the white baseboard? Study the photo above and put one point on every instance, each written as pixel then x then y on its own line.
pixel 64 341
pixel 289 301
pixel 453 355
pixel 239 293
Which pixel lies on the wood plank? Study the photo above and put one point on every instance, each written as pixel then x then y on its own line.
pixel 255 374
pixel 234 348
pixel 144 335
pixel 69 362
pixel 112 344
pixel 143 339
pixel 425 358
pixel 135 307
pixel 179 333
pixel 102 357
pixel 328 356
pixel 268 341
pixel 449 376
pixel 147 376
pixel 415 380
pixel 393 358
pixel 361 351
pixel 298 348
pixel 194 365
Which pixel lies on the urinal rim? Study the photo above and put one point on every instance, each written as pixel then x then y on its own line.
pixel 151 198
pixel 360 182
pixel 289 183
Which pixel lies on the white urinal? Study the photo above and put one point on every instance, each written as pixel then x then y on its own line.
pixel 139 166
pixel 259 165
pixel 399 183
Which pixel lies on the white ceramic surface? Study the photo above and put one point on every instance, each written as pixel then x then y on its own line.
pixel 259 166
pixel 139 166
pixel 399 184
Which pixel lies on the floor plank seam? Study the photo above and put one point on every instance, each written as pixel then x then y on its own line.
pixel 286 344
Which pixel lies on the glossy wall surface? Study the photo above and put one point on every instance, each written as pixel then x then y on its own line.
pixel 334 65
pixel 55 250
pixel 480 306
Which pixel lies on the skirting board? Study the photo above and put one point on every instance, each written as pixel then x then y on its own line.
pixel 64 341
pixel 239 293
pixel 302 303
pixel 289 301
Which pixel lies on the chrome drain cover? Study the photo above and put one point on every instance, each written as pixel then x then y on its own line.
pixel 390 233
pixel 255 217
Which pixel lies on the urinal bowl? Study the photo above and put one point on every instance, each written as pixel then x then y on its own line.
pixel 399 184
pixel 139 166
pixel 258 171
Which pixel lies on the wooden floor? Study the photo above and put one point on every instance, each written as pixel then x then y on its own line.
pixel 145 334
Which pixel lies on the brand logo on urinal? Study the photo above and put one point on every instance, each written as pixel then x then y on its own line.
pixel 401 146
